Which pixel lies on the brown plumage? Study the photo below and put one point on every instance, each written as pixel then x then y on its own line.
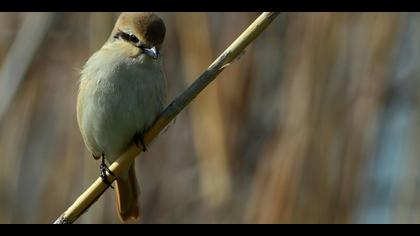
pixel 126 197
pixel 147 26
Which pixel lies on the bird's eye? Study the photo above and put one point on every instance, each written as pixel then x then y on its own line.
pixel 133 38
pixel 126 36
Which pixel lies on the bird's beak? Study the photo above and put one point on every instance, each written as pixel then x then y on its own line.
pixel 151 52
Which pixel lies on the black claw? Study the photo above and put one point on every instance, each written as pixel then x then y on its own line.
pixel 138 139
pixel 104 168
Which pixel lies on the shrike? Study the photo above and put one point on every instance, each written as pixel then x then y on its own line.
pixel 122 90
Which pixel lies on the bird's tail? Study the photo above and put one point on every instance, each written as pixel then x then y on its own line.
pixel 127 195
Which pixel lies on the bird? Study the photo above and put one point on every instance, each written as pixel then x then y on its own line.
pixel 122 90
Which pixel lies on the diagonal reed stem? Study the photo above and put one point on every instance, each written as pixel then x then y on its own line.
pixel 234 50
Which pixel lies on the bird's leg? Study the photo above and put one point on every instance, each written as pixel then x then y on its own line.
pixel 138 139
pixel 104 168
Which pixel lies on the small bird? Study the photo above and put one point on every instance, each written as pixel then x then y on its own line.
pixel 122 90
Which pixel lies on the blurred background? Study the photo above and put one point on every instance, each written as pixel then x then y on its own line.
pixel 318 122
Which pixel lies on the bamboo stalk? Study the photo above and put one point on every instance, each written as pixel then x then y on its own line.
pixel 206 115
pixel 98 187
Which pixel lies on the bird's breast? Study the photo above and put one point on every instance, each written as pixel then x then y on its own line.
pixel 118 101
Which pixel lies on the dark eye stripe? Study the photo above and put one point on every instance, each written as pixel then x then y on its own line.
pixel 126 37
pixel 133 38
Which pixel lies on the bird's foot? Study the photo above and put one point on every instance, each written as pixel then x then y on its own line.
pixel 138 139
pixel 104 168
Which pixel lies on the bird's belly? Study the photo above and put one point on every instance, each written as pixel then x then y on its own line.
pixel 119 108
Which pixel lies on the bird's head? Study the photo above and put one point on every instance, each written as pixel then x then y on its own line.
pixel 142 30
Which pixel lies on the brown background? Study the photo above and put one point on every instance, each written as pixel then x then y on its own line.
pixel 316 123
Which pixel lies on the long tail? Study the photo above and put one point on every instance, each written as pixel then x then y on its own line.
pixel 127 195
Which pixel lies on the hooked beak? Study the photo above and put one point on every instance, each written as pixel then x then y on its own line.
pixel 151 52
